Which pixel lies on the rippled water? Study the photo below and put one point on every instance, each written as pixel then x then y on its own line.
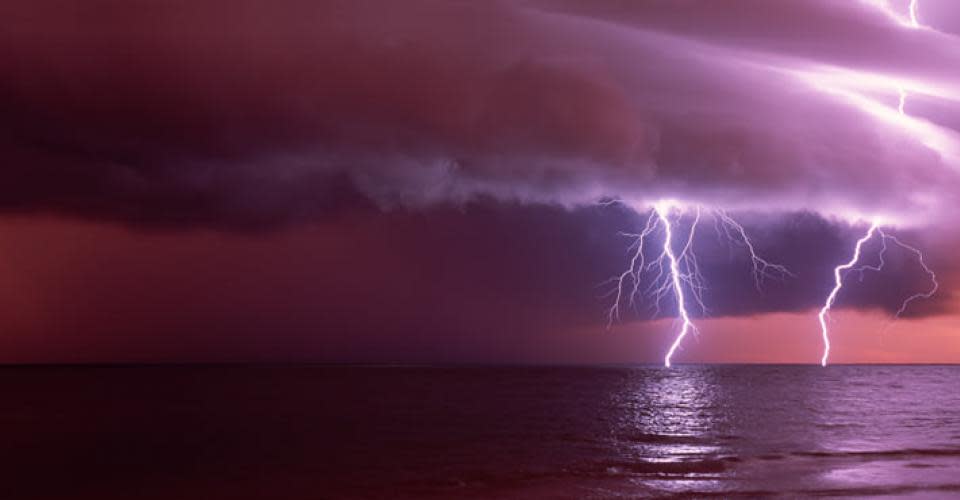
pixel 375 432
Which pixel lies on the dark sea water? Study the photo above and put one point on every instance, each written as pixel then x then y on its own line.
pixel 303 432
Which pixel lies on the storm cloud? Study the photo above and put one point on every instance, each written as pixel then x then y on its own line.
pixel 427 180
pixel 237 114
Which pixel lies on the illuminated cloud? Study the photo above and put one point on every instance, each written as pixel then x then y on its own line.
pixel 258 113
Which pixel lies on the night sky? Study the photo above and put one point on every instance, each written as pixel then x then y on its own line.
pixel 428 180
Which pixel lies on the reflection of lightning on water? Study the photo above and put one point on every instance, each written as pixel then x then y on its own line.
pixel 677 273
pixel 839 273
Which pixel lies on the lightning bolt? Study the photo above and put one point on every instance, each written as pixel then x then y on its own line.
pixel 838 284
pixel 636 267
pixel 674 271
pixel 926 269
pixel 677 273
pixel 914 23
pixel 838 274
pixel 762 268
pixel 859 88
pixel 910 21
pixel 662 210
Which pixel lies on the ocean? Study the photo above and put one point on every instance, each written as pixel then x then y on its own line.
pixel 314 431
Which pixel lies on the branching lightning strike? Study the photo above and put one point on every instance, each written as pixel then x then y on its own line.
pixel 926 269
pixel 839 273
pixel 675 281
pixel 677 273
pixel 838 284
pixel 875 227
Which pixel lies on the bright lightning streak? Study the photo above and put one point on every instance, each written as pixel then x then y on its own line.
pixel 838 284
pixel 762 268
pixel 662 209
pixel 677 273
pixel 850 86
pixel 633 272
pixel 909 21
pixel 926 269
pixel 682 269
pixel 858 88
pixel 929 135
pixel 838 279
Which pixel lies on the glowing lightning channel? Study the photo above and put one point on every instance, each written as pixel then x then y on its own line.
pixel 923 265
pixel 762 268
pixel 671 270
pixel 912 22
pixel 677 273
pixel 662 210
pixel 637 266
pixel 838 278
pixel 909 21
pixel 838 284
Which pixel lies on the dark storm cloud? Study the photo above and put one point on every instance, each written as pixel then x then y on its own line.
pixel 213 107
pixel 495 282
pixel 254 113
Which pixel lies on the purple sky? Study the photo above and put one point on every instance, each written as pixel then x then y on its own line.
pixel 419 180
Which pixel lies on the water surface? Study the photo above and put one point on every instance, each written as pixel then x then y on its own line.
pixel 305 431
